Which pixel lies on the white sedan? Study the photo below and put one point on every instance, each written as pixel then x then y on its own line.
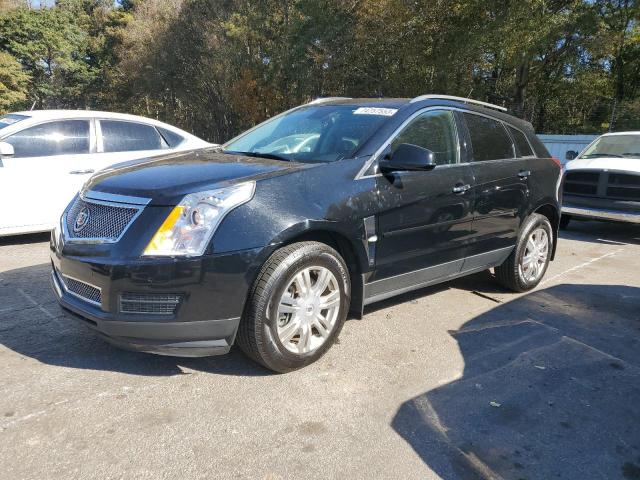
pixel 47 155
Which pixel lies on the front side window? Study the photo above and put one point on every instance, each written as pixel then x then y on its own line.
pixel 64 137
pixel 312 134
pixel 119 136
pixel 435 131
pixel 489 139
pixel 626 146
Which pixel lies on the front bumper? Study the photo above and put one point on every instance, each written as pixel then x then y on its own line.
pixel 601 214
pixel 212 290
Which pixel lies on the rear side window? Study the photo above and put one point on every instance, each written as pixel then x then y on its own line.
pixel 172 138
pixel 523 148
pixel 64 137
pixel 489 139
pixel 118 136
pixel 434 130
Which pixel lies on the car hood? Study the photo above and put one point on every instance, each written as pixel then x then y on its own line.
pixel 605 163
pixel 166 179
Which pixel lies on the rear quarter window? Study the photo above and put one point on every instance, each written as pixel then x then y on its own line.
pixel 523 149
pixel 172 138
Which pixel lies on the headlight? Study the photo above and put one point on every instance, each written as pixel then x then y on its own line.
pixel 189 227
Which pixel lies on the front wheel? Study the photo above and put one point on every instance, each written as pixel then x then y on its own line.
pixel 527 264
pixel 297 307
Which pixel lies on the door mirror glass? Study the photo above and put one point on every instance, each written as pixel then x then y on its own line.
pixel 571 154
pixel 6 149
pixel 408 157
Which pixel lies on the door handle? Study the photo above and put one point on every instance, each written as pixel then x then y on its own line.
pixel 459 188
pixel 524 174
pixel 82 172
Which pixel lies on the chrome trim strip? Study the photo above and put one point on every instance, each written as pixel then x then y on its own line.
pixel 602 214
pixel 113 198
pixel 457 99
pixel 360 175
pixel 56 286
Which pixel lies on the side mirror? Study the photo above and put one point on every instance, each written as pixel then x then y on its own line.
pixel 6 149
pixel 570 155
pixel 408 157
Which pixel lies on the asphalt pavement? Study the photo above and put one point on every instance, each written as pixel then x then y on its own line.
pixel 459 381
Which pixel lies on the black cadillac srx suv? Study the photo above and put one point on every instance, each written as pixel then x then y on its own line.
pixel 271 239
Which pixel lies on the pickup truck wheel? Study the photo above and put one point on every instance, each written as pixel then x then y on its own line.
pixel 527 264
pixel 297 307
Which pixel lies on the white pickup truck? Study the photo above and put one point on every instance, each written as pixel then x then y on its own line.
pixel 603 182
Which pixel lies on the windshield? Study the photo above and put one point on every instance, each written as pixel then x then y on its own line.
pixel 10 119
pixel 614 146
pixel 312 134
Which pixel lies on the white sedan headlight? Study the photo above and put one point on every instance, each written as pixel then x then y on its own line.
pixel 189 227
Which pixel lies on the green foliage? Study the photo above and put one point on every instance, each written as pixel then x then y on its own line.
pixel 215 67
pixel 13 83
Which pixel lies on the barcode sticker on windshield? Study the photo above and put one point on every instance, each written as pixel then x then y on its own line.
pixel 385 112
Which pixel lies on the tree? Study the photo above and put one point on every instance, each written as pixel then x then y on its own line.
pixel 13 83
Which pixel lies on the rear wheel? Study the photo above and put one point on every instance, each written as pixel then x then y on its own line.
pixel 297 307
pixel 528 262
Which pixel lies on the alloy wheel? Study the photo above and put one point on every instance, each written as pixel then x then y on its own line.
pixel 535 255
pixel 308 310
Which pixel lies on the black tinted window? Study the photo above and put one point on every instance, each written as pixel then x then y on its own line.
pixel 435 131
pixel 522 145
pixel 65 137
pixel 120 136
pixel 172 139
pixel 489 139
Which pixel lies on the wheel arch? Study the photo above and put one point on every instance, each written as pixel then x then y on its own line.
pixel 350 250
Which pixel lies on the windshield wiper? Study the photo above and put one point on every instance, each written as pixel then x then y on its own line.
pixel 594 155
pixel 271 156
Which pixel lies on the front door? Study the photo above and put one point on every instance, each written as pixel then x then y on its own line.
pixel 425 220
pixel 51 161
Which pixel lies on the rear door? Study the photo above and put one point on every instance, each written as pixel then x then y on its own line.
pixel 119 141
pixel 50 163
pixel 501 185
pixel 425 221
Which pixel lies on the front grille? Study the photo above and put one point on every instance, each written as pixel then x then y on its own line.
pixel 624 186
pixel 104 222
pixel 582 183
pixel 81 289
pixel 613 186
pixel 150 303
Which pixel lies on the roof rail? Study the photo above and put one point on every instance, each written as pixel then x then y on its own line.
pixel 457 99
pixel 326 99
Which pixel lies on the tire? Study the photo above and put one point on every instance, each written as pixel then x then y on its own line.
pixel 564 221
pixel 512 274
pixel 282 284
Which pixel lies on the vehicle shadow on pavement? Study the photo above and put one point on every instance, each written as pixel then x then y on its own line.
pixel 550 389
pixel 32 324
